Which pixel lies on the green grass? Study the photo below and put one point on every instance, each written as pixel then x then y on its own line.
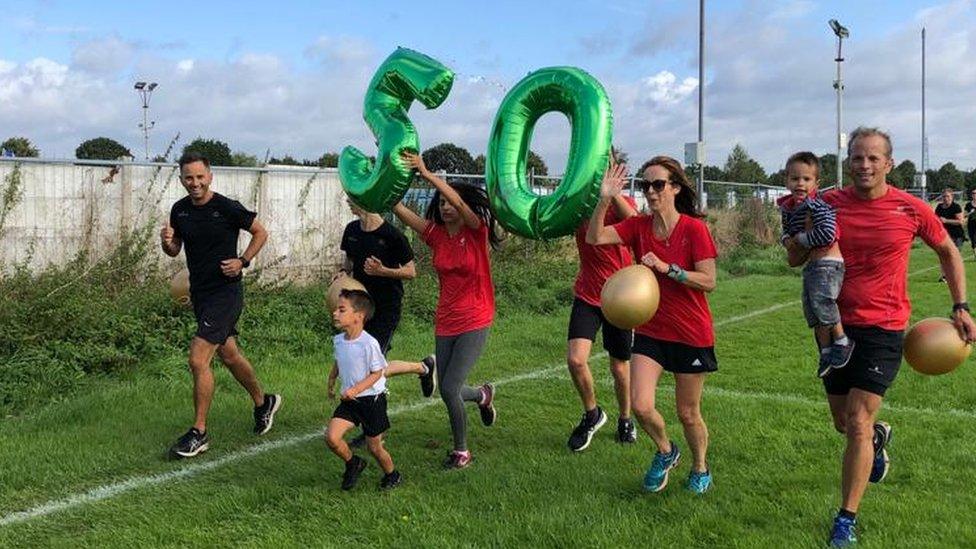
pixel 773 451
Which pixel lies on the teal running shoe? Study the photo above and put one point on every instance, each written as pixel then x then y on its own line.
pixel 656 477
pixel 843 533
pixel 699 482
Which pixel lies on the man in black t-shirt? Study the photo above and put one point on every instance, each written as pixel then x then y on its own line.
pixel 208 224
pixel 951 216
pixel 970 211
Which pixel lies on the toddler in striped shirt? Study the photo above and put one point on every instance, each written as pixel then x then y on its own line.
pixel 810 234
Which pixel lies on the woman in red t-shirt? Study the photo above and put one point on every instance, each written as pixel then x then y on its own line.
pixel 458 228
pixel 675 244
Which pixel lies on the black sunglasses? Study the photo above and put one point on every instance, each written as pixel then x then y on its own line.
pixel 657 184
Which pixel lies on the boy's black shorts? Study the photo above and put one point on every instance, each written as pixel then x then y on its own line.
pixel 217 312
pixel 368 411
pixel 874 362
pixel 586 319
pixel 675 357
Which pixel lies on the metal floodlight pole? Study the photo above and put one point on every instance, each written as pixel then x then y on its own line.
pixel 841 32
pixel 925 151
pixel 701 101
pixel 145 93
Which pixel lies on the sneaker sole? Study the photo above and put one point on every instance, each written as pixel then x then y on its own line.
pixel 201 449
pixel 591 432
pixel 490 406
pixel 886 429
pixel 884 471
pixel 274 410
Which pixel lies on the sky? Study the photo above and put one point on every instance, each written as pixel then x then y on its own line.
pixel 289 77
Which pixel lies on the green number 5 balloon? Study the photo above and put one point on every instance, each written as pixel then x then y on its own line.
pixel 583 100
pixel 405 76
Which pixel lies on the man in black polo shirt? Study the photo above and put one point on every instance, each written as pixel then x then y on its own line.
pixel 208 224
pixel 379 255
pixel 950 214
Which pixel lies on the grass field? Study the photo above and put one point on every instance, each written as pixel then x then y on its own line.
pixel 90 470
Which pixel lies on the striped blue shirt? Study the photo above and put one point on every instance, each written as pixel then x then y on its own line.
pixel 823 229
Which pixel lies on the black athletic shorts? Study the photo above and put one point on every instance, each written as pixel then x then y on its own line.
pixel 586 319
pixel 217 312
pixel 675 357
pixel 873 365
pixel 368 411
pixel 382 326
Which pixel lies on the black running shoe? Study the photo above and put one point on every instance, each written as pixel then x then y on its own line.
pixel 358 441
pixel 354 467
pixel 840 355
pixel 626 432
pixel 428 381
pixel 191 444
pixel 823 366
pixel 583 433
pixel 264 414
pixel 391 480
pixel 487 405
pixel 882 463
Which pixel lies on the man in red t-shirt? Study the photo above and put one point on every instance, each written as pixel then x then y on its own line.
pixel 878 224
pixel 597 264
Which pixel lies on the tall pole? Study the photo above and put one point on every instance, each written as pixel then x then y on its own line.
pixel 701 100
pixel 145 93
pixel 839 86
pixel 925 148
pixel 145 126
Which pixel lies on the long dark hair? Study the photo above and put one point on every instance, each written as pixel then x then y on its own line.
pixel 686 201
pixel 477 199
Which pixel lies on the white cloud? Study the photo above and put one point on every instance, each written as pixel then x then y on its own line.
pixel 103 56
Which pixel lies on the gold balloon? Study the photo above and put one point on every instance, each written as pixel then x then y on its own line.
pixel 179 287
pixel 630 297
pixel 341 283
pixel 933 347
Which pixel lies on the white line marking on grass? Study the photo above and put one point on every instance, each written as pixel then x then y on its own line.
pixel 111 490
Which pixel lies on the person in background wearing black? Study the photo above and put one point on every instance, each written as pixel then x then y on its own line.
pixel 970 210
pixel 208 224
pixel 950 214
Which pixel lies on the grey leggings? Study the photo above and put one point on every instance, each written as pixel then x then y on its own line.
pixel 456 355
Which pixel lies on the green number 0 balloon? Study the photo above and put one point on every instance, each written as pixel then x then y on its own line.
pixel 405 76
pixel 583 100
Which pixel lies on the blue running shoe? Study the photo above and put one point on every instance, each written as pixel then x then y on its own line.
pixel 843 533
pixel 656 477
pixel 699 483
pixel 881 465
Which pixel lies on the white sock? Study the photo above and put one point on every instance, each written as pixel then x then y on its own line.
pixel 842 341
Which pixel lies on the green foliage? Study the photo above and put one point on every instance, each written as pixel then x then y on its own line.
pixel 11 195
pixel 328 160
pixel 535 164
pixel 21 147
pixel 216 151
pixel 448 157
pixel 903 176
pixel 287 160
pixel 101 148
pixel 243 160
pixel 479 164
pixel 741 168
pixel 828 171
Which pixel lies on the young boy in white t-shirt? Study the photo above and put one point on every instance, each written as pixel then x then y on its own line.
pixel 360 362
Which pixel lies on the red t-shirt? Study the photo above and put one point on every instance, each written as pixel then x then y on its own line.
pixel 876 238
pixel 683 315
pixel 597 263
pixel 467 296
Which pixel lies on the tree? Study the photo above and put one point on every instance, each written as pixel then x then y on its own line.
pixel 216 151
pixel 328 160
pixel 828 171
pixel 741 168
pixel 479 164
pixel 714 173
pixel 535 164
pixel 20 147
pixel 101 148
pixel 777 179
pixel 449 158
pixel 950 176
pixel 243 160
pixel 287 160
pixel 903 175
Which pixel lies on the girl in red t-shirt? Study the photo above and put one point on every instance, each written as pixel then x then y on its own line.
pixel 675 244
pixel 458 228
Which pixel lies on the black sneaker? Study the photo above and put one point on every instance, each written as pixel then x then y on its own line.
pixel 626 432
pixel 354 467
pixel 428 381
pixel 840 355
pixel 264 414
pixel 487 405
pixel 823 366
pixel 191 444
pixel 583 433
pixel 391 480
pixel 358 441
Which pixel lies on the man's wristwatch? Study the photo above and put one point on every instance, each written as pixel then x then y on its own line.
pixel 244 262
pixel 961 306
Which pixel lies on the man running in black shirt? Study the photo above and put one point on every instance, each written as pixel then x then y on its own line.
pixel 208 224
pixel 950 214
